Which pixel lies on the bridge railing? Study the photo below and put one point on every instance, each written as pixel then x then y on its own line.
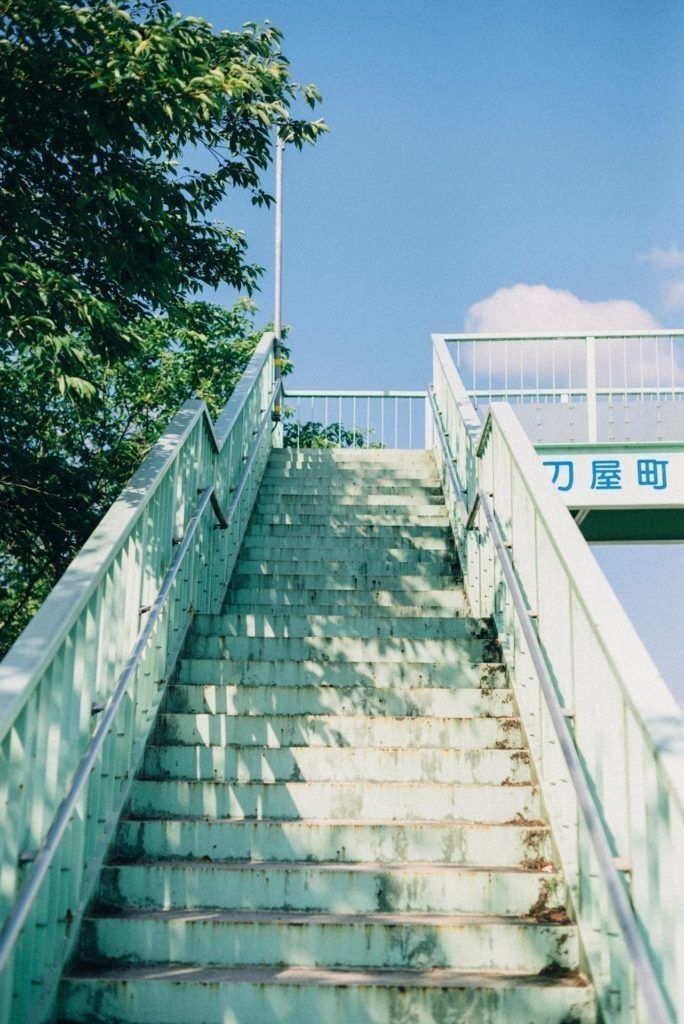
pixel 611 386
pixel 80 688
pixel 355 419
pixel 606 735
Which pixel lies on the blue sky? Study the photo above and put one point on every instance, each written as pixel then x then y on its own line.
pixel 475 146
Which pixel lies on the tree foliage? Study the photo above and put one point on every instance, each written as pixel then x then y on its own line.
pixel 317 435
pixel 122 128
pixel 64 459
pixel 107 113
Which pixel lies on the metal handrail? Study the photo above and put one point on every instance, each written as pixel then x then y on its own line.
pixel 252 455
pixel 617 390
pixel 40 864
pixel 647 980
pixel 342 393
pixel 462 507
pixel 641 963
pixel 560 335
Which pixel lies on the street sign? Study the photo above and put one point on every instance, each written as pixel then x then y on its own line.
pixel 610 477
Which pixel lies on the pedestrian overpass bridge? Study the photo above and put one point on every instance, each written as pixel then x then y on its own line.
pixel 356 729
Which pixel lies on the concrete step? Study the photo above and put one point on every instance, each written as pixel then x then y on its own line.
pixel 420 503
pixel 133 994
pixel 304 546
pixel 339 700
pixel 240 938
pixel 406 673
pixel 339 520
pixel 433 538
pixel 337 731
pixel 400 801
pixel 334 488
pixel 366 570
pixel 346 580
pixel 339 764
pixel 473 844
pixel 332 888
pixel 420 476
pixel 291 625
pixel 348 650
pixel 347 530
pixel 372 605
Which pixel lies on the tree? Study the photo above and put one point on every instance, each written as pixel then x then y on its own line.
pixel 63 458
pixel 107 110
pixel 316 435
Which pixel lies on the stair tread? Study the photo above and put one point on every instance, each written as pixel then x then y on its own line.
pixel 308 917
pixel 416 977
pixel 334 867
pixel 533 824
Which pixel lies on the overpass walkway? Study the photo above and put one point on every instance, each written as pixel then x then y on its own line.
pixel 356 732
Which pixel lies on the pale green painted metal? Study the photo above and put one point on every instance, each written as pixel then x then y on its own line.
pixel 393 419
pixel 609 385
pixel 62 672
pixel 627 729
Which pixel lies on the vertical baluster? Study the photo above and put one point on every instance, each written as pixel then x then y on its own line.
pixel 659 411
pixel 506 396
pixel 410 416
pixel 536 361
pixel 522 372
pixel 473 347
pixel 339 422
pixel 396 422
pixel 489 361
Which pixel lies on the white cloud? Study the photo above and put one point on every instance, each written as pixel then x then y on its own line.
pixel 665 259
pixel 673 293
pixel 526 309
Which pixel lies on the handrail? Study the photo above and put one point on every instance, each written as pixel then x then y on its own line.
pixel 463 508
pixel 529 567
pixel 560 335
pixel 357 418
pixel 255 448
pixel 75 654
pixel 657 736
pixel 21 668
pixel 641 963
pixel 43 859
pixel 638 953
pixel 342 393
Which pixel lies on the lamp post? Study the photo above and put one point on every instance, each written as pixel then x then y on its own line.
pixel 278 267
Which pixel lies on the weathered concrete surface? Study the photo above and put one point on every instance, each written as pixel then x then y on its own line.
pixel 336 818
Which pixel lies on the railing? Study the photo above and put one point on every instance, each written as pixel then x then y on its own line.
pixel 80 688
pixel 355 419
pixel 609 386
pixel 590 700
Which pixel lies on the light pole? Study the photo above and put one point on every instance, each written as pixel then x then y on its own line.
pixel 278 268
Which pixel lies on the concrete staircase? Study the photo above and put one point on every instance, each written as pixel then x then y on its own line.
pixel 336 818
